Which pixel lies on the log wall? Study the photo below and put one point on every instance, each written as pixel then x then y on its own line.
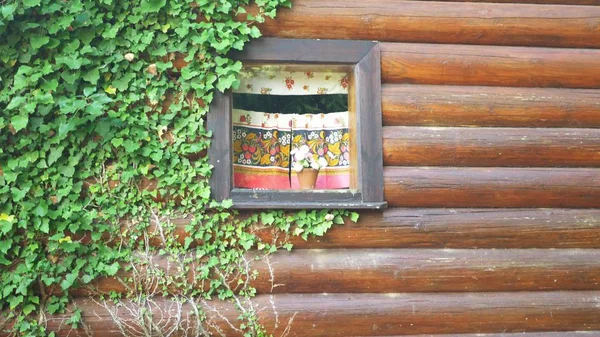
pixel 491 114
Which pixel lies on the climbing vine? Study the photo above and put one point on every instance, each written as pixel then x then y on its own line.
pixel 102 112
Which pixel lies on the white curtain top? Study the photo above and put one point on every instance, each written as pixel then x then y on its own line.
pixel 280 81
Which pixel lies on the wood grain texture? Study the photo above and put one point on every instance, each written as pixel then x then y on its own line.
pixel 492 187
pixel 410 63
pixel 267 50
pixel 518 334
pixel 435 146
pixel 449 228
pixel 428 270
pixel 367 102
pixel 439 22
pixel 326 315
pixel 548 2
pixel 409 270
pixel 220 151
pixel 439 105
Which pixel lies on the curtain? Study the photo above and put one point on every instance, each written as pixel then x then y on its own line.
pixel 262 141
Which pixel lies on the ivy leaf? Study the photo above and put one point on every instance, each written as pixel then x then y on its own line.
pixel 226 83
pixel 255 32
pixel 39 41
pixel 31 3
pixel 112 269
pixel 41 209
pixel 55 153
pixel 8 10
pixel 92 76
pixel 130 146
pixel 28 309
pixel 354 216
pixel 267 218
pixel 110 90
pixel 19 122
pixel 152 6
pixel 68 281
pixel 14 301
pixel 116 142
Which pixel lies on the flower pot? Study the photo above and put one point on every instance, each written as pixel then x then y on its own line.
pixel 307 178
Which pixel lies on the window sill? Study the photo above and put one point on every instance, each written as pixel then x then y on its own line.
pixel 309 205
pixel 298 199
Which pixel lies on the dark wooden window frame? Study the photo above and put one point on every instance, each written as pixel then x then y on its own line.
pixel 366 191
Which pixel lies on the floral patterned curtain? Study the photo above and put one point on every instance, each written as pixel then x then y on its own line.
pixel 262 141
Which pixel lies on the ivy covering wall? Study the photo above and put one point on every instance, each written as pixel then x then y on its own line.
pixel 101 143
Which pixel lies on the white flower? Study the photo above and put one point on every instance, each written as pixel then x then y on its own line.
pixel 322 162
pixel 304 149
pixel 329 217
pixel 297 167
pixel 300 156
pixel 314 166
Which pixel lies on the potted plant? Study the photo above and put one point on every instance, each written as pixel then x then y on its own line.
pixel 307 166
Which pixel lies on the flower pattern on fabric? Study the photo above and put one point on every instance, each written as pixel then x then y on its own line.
pixel 279 82
pixel 262 143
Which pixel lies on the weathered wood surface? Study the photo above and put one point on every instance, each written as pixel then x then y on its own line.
pixel 440 22
pixel 442 228
pixel 409 270
pixel 325 315
pixel 451 146
pixel 412 63
pixel 549 2
pixel 492 187
pixel 452 228
pixel 518 334
pixel 432 105
pixel 428 270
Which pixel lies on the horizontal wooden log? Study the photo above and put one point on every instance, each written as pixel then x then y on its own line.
pixel 439 22
pixel 547 2
pixel 428 270
pixel 409 270
pixel 451 228
pixel 490 65
pixel 519 334
pixel 431 105
pixel 434 146
pixel 492 187
pixel 324 315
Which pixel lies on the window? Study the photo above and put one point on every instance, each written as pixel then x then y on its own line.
pixel 316 96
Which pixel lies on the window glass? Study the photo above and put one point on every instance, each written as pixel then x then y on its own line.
pixel 287 117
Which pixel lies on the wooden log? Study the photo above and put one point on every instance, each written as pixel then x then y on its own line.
pixel 492 187
pixel 429 105
pixel 427 270
pixel 439 22
pixel 492 66
pixel 548 2
pixel 323 315
pixel 409 270
pixel 451 228
pixel 519 334
pixel 434 146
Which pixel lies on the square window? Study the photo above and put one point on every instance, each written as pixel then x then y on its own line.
pixel 290 128
pixel 303 130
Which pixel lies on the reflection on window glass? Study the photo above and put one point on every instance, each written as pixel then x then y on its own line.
pixel 290 128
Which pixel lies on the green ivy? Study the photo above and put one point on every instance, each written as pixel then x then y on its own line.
pixel 100 136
